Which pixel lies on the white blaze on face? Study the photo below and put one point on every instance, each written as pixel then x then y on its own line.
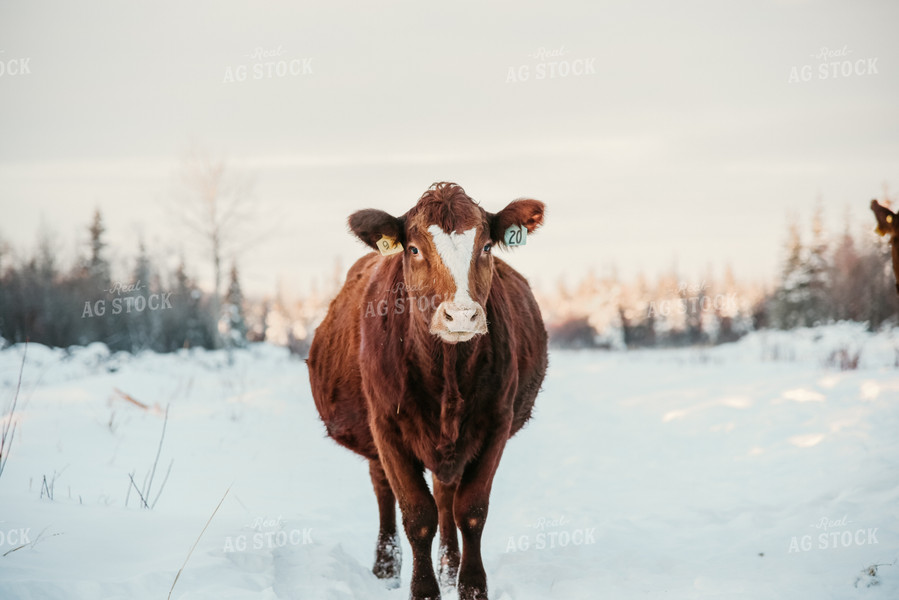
pixel 455 250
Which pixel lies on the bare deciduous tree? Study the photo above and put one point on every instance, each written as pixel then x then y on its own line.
pixel 215 204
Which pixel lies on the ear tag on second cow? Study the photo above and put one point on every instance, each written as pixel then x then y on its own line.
pixel 388 246
pixel 881 232
pixel 516 235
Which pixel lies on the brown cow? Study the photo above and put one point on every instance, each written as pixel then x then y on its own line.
pixel 887 225
pixel 430 358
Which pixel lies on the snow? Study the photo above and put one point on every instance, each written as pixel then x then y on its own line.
pixel 691 473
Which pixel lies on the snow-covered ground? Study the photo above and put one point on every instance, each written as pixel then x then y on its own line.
pixel 754 470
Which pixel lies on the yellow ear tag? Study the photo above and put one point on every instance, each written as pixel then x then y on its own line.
pixel 889 218
pixel 516 235
pixel 388 246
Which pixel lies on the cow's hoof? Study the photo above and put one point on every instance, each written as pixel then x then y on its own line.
pixel 388 561
pixel 467 592
pixel 448 571
pixel 424 588
pixel 391 582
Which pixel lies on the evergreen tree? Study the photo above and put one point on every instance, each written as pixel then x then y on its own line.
pixel 98 266
pixel 93 283
pixel 49 323
pixel 143 326
pixel 186 324
pixel 877 287
pixel 816 268
pixel 232 325
pixel 846 284
pixel 792 295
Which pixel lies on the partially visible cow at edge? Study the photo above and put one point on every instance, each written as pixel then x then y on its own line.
pixel 431 357
pixel 887 225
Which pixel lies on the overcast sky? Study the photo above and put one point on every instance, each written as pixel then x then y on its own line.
pixel 682 142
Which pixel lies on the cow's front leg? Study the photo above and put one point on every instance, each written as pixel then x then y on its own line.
pixel 470 509
pixel 388 556
pixel 406 476
pixel 448 570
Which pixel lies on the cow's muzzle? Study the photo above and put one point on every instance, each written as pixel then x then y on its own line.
pixel 458 322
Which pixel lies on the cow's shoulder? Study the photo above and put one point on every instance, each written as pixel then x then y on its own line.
pixel 360 272
pixel 507 273
pixel 354 286
pixel 511 288
pixel 515 316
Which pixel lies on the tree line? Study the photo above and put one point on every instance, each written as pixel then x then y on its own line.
pixel 824 278
pixel 47 302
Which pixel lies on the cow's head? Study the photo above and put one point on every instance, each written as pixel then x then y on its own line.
pixel 886 220
pixel 888 225
pixel 447 245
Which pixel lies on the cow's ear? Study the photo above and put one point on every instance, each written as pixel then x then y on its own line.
pixel 523 214
pixel 886 219
pixel 370 225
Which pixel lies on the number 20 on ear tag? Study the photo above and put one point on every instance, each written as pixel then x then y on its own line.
pixel 388 246
pixel 516 235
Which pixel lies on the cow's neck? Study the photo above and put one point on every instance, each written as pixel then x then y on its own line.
pixel 441 365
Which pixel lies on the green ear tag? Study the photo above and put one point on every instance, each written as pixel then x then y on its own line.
pixel 516 235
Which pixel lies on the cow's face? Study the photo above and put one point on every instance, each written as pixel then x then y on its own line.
pixel 448 243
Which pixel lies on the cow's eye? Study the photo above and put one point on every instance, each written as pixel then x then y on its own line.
pixel 487 248
pixel 413 249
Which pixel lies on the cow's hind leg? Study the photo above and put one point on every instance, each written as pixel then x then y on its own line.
pixel 388 554
pixel 419 511
pixel 448 570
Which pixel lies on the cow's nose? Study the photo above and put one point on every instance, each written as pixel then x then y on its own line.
pixel 459 322
pixel 460 316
